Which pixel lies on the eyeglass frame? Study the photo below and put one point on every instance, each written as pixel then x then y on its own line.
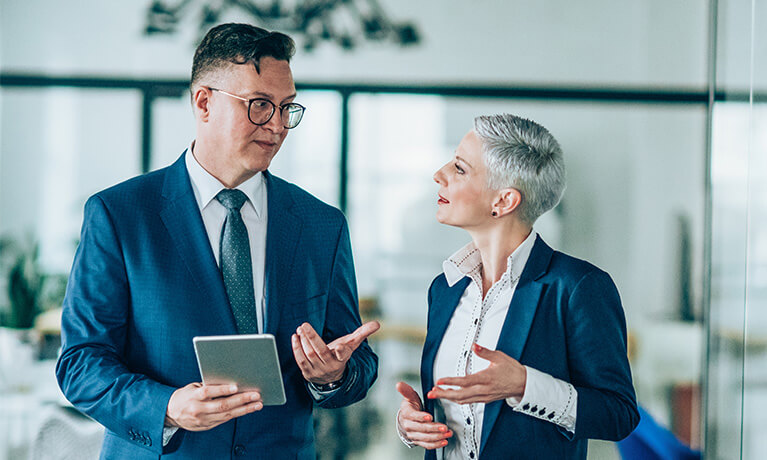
pixel 274 107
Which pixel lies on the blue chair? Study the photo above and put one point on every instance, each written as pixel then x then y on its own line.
pixel 650 441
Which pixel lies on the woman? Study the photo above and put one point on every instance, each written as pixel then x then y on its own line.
pixel 525 353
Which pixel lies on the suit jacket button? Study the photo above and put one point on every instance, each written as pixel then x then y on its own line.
pixel 551 415
pixel 534 409
pixel 526 406
pixel 542 411
pixel 239 449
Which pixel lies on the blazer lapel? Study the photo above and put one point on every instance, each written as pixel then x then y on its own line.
pixel 519 319
pixel 181 216
pixel 283 232
pixel 442 306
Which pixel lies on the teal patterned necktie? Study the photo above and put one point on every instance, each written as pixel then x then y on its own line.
pixel 236 265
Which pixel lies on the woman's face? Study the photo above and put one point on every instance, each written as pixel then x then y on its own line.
pixel 464 198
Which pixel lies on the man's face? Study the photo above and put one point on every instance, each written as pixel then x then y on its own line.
pixel 241 148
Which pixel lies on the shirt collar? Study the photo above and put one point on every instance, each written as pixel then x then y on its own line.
pixel 206 187
pixel 467 261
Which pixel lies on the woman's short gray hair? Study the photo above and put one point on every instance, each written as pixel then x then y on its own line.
pixel 523 155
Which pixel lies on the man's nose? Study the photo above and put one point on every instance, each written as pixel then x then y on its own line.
pixel 275 123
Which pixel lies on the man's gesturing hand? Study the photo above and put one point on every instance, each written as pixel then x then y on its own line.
pixel 321 363
pixel 504 377
pixel 417 425
pixel 198 407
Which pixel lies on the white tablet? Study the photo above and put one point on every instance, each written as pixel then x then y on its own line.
pixel 247 360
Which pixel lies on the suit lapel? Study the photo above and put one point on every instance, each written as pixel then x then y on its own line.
pixel 443 305
pixel 519 319
pixel 181 216
pixel 283 232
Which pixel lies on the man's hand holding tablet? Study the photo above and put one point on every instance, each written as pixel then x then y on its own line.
pixel 198 407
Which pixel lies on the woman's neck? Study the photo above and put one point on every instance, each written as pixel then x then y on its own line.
pixel 495 245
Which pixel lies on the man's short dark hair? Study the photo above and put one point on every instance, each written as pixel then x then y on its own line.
pixel 238 44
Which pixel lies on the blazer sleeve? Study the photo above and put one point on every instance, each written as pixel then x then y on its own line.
pixel 343 318
pixel 91 369
pixel 598 362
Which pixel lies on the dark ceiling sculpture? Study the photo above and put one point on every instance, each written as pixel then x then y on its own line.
pixel 346 23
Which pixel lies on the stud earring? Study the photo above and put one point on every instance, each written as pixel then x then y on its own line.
pixel 493 213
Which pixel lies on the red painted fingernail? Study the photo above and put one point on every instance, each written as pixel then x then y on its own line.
pixel 443 429
pixel 444 443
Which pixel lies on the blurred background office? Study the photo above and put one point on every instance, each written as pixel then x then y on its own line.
pixel 660 107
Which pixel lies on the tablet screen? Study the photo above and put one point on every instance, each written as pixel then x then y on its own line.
pixel 247 360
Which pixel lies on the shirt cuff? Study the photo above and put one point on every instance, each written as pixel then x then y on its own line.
pixel 547 398
pixel 320 395
pixel 401 433
pixel 167 433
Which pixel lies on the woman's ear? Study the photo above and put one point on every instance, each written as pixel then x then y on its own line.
pixel 506 202
pixel 201 102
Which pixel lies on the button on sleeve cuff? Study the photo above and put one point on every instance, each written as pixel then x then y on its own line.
pixel 547 398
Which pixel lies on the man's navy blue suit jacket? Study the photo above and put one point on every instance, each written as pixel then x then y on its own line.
pixel 145 282
pixel 565 319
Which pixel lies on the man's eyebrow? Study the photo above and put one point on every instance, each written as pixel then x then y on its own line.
pixel 262 95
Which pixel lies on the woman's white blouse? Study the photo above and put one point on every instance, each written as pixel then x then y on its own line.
pixel 478 320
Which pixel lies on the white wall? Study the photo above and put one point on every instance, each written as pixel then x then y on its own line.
pixel 590 42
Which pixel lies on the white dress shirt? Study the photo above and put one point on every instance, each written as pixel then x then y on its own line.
pixel 478 320
pixel 253 212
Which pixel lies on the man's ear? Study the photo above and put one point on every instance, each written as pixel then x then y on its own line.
pixel 201 103
pixel 507 200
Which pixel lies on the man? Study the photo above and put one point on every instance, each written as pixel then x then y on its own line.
pixel 215 245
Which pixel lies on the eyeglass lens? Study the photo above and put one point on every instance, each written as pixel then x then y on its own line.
pixel 261 111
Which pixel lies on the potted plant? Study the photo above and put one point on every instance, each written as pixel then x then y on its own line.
pixel 26 292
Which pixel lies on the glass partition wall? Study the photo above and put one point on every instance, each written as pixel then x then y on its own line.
pixel 737 327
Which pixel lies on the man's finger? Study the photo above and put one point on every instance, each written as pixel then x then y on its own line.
pixel 410 394
pixel 309 351
pixel 310 337
pixel 298 353
pixel 218 409
pixel 342 352
pixel 362 333
pixel 206 392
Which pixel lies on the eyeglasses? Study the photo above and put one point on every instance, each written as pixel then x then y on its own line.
pixel 260 111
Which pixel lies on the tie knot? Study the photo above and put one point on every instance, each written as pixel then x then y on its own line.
pixel 232 199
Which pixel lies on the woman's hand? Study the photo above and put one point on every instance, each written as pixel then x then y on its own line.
pixel 504 378
pixel 417 425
